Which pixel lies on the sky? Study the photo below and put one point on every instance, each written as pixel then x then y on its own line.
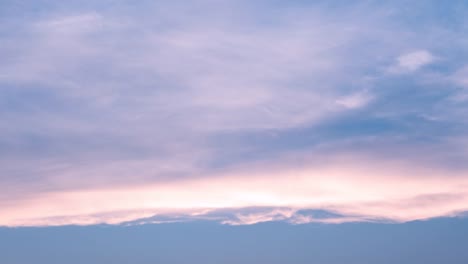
pixel 334 118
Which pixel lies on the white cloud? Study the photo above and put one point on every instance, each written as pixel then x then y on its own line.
pixel 71 25
pixel 413 61
pixel 460 77
pixel 356 100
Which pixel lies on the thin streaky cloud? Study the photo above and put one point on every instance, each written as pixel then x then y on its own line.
pixel 348 187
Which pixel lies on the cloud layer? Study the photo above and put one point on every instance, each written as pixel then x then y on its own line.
pixel 117 112
pixel 357 190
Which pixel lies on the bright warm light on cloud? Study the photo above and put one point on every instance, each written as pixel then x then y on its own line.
pixel 358 191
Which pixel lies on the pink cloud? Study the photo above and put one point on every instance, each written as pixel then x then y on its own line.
pixel 359 189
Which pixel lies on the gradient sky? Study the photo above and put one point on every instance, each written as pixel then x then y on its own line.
pixel 318 116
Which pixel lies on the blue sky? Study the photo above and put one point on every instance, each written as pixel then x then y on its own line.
pixel 233 112
pixel 429 242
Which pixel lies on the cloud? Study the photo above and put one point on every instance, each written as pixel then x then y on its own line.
pixel 70 25
pixel 355 189
pixel 356 100
pixel 412 61
pixel 117 113
pixel 460 77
